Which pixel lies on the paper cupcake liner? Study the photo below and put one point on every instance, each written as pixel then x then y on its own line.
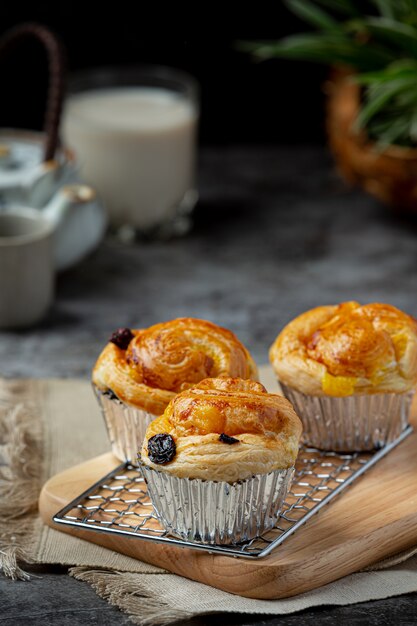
pixel 352 423
pixel 217 512
pixel 126 426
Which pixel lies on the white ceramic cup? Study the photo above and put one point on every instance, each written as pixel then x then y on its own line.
pixel 26 269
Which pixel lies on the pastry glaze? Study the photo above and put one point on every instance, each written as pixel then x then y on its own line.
pixel 266 426
pixel 167 358
pixel 348 348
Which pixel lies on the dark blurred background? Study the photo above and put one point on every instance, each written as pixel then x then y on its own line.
pixel 242 100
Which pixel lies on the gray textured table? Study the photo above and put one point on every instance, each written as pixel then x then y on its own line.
pixel 276 232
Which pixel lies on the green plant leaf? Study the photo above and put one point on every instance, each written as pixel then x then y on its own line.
pixel 324 48
pixel 413 125
pixel 312 14
pixel 378 98
pixel 385 7
pixel 389 31
pixel 382 49
pixel 406 101
pixel 397 132
pixel 345 7
pixel 401 69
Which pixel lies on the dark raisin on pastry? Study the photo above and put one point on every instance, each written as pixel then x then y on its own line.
pixel 110 394
pixel 226 439
pixel 122 338
pixel 161 448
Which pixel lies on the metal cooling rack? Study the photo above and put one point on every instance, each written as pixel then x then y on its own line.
pixel 119 502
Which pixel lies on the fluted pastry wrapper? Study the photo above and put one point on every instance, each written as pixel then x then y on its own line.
pixel 353 423
pixel 126 426
pixel 213 512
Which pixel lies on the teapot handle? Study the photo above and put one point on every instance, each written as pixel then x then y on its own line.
pixel 55 54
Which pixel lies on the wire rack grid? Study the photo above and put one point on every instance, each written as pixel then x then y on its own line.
pixel 119 502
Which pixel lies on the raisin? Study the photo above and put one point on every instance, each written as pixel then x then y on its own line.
pixel 161 448
pixel 122 338
pixel 110 394
pixel 226 439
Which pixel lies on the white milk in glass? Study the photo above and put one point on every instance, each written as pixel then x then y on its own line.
pixel 136 145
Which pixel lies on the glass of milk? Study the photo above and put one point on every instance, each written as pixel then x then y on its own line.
pixel 133 132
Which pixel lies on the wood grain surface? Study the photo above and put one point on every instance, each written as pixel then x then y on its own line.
pixel 371 520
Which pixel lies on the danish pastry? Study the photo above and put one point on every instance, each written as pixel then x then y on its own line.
pixel 350 371
pixel 346 349
pixel 226 429
pixel 219 461
pixel 167 358
pixel 140 371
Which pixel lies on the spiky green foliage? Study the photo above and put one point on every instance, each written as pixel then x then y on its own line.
pixel 378 38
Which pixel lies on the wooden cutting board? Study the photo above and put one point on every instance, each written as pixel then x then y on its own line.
pixel 373 519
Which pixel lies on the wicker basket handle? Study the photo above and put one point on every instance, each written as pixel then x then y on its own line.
pixel 55 53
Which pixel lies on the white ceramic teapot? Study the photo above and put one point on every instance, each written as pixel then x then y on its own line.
pixel 33 168
pixel 26 181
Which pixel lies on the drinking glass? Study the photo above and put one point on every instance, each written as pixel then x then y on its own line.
pixel 133 131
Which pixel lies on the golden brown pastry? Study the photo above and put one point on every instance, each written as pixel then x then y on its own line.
pixel 223 429
pixel 146 368
pixel 348 348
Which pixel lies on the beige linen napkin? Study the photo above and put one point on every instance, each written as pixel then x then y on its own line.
pixel 47 426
